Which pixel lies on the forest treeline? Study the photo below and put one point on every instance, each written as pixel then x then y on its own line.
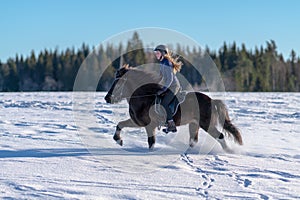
pixel 263 69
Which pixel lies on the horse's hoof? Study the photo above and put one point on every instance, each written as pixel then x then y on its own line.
pixel 151 148
pixel 151 142
pixel 193 142
pixel 227 150
pixel 120 142
pixel 224 146
pixel 118 139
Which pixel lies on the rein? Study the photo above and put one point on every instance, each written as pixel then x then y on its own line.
pixel 139 96
pixel 148 95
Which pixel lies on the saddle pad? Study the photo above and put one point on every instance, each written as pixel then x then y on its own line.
pixel 177 100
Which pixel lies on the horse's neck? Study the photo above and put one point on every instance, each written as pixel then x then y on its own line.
pixel 142 76
pixel 143 83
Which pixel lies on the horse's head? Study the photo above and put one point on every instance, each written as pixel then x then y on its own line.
pixel 115 93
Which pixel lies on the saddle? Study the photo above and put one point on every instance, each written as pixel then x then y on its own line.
pixel 174 105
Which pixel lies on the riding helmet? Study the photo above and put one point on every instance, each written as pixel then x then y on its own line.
pixel 162 48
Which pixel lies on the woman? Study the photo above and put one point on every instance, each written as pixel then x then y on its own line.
pixel 169 66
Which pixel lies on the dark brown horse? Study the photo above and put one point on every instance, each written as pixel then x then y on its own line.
pixel 198 110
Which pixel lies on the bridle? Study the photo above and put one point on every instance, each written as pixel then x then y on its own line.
pixel 120 89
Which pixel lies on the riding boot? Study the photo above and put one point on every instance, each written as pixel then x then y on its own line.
pixel 171 127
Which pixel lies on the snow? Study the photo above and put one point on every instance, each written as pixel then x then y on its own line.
pixel 59 146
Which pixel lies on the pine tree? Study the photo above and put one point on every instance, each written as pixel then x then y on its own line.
pixel 243 72
pixel 1 76
pixel 135 55
pixel 223 54
pixel 11 79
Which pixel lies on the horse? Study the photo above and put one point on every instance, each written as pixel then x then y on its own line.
pixel 139 88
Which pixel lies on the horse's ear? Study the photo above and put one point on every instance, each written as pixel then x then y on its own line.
pixel 125 66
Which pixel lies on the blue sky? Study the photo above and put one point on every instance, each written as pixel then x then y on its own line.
pixel 48 24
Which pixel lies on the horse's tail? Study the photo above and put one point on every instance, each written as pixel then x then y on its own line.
pixel 224 118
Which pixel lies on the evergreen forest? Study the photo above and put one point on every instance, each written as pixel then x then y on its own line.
pixel 262 69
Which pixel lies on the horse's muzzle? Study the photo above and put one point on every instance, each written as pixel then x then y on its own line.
pixel 108 98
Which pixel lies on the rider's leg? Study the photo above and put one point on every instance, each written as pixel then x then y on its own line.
pixel 168 97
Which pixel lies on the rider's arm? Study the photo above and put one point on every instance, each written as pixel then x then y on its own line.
pixel 167 75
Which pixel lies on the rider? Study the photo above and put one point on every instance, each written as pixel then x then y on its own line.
pixel 169 66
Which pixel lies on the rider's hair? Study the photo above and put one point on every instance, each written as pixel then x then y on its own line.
pixel 174 60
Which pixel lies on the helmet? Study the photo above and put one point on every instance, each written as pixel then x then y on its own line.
pixel 162 48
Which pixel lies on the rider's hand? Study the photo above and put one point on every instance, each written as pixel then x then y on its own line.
pixel 161 92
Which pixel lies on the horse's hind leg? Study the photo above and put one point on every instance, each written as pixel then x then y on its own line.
pixel 194 129
pixel 220 138
pixel 120 126
pixel 150 129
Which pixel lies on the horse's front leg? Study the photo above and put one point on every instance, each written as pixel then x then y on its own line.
pixel 194 129
pixel 120 126
pixel 151 136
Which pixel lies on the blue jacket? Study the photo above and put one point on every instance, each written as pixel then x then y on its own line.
pixel 169 79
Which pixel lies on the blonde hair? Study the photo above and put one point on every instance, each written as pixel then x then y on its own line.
pixel 174 60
